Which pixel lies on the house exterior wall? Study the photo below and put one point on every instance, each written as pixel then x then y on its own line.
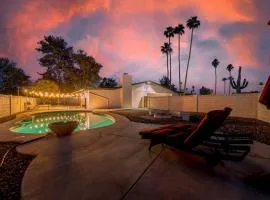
pixel 139 91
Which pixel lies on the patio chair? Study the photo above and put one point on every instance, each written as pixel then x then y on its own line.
pixel 202 140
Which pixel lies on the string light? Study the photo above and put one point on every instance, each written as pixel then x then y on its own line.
pixel 51 94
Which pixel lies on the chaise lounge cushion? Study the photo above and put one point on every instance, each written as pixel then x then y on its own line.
pixel 165 130
pixel 211 121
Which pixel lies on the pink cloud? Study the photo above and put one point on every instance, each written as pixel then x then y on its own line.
pixel 131 33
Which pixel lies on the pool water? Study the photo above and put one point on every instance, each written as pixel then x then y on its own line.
pixel 38 123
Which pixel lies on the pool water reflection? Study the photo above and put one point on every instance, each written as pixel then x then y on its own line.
pixel 38 123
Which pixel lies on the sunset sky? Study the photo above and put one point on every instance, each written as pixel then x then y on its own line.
pixel 126 35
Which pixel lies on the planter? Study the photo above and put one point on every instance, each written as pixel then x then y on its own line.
pixel 63 128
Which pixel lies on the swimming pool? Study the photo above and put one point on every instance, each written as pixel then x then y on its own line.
pixel 38 123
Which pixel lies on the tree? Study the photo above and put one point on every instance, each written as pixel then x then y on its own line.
pixel 230 68
pixel 193 90
pixel 11 77
pixel 224 79
pixel 169 32
pixel 215 64
pixel 56 58
pixel 85 72
pixel 44 86
pixel 70 70
pixel 165 82
pixel 205 91
pixel 166 49
pixel 179 30
pixel 192 23
pixel 108 83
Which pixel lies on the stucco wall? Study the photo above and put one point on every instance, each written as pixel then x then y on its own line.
pixel 104 98
pixel 14 104
pixel 126 91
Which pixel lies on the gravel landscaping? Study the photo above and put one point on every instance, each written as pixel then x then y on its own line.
pixel 259 129
pixel 12 171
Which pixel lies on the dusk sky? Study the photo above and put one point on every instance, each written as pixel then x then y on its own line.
pixel 126 35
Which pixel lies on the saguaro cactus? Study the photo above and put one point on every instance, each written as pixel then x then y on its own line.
pixel 237 85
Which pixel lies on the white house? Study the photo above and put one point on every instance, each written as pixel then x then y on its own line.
pixel 128 95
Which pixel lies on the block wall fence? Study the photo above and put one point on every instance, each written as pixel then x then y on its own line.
pixel 243 105
pixel 14 104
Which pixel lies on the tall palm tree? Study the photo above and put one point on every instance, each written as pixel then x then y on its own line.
pixel 224 80
pixel 169 33
pixel 179 30
pixel 165 49
pixel 192 23
pixel 215 64
pixel 230 68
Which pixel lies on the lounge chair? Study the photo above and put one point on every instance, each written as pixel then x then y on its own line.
pixel 202 140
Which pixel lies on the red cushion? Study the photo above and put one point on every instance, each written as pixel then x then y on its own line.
pixel 169 126
pixel 175 135
pixel 265 94
pixel 211 121
pixel 151 130
pixel 182 126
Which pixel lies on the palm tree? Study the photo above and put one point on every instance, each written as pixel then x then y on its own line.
pixel 179 30
pixel 169 32
pixel 166 49
pixel 224 80
pixel 192 23
pixel 215 63
pixel 230 68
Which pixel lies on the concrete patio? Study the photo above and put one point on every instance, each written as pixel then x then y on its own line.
pixel 114 163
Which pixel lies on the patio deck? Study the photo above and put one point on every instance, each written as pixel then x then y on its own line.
pixel 114 163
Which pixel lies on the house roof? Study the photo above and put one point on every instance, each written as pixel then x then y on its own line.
pixel 138 83
pixel 146 82
pixel 155 83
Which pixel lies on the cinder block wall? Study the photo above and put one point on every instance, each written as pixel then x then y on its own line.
pixel 161 103
pixel 183 103
pixel 263 113
pixel 243 105
pixel 14 104
pixel 4 105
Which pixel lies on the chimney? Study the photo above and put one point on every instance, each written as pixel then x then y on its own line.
pixel 126 91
